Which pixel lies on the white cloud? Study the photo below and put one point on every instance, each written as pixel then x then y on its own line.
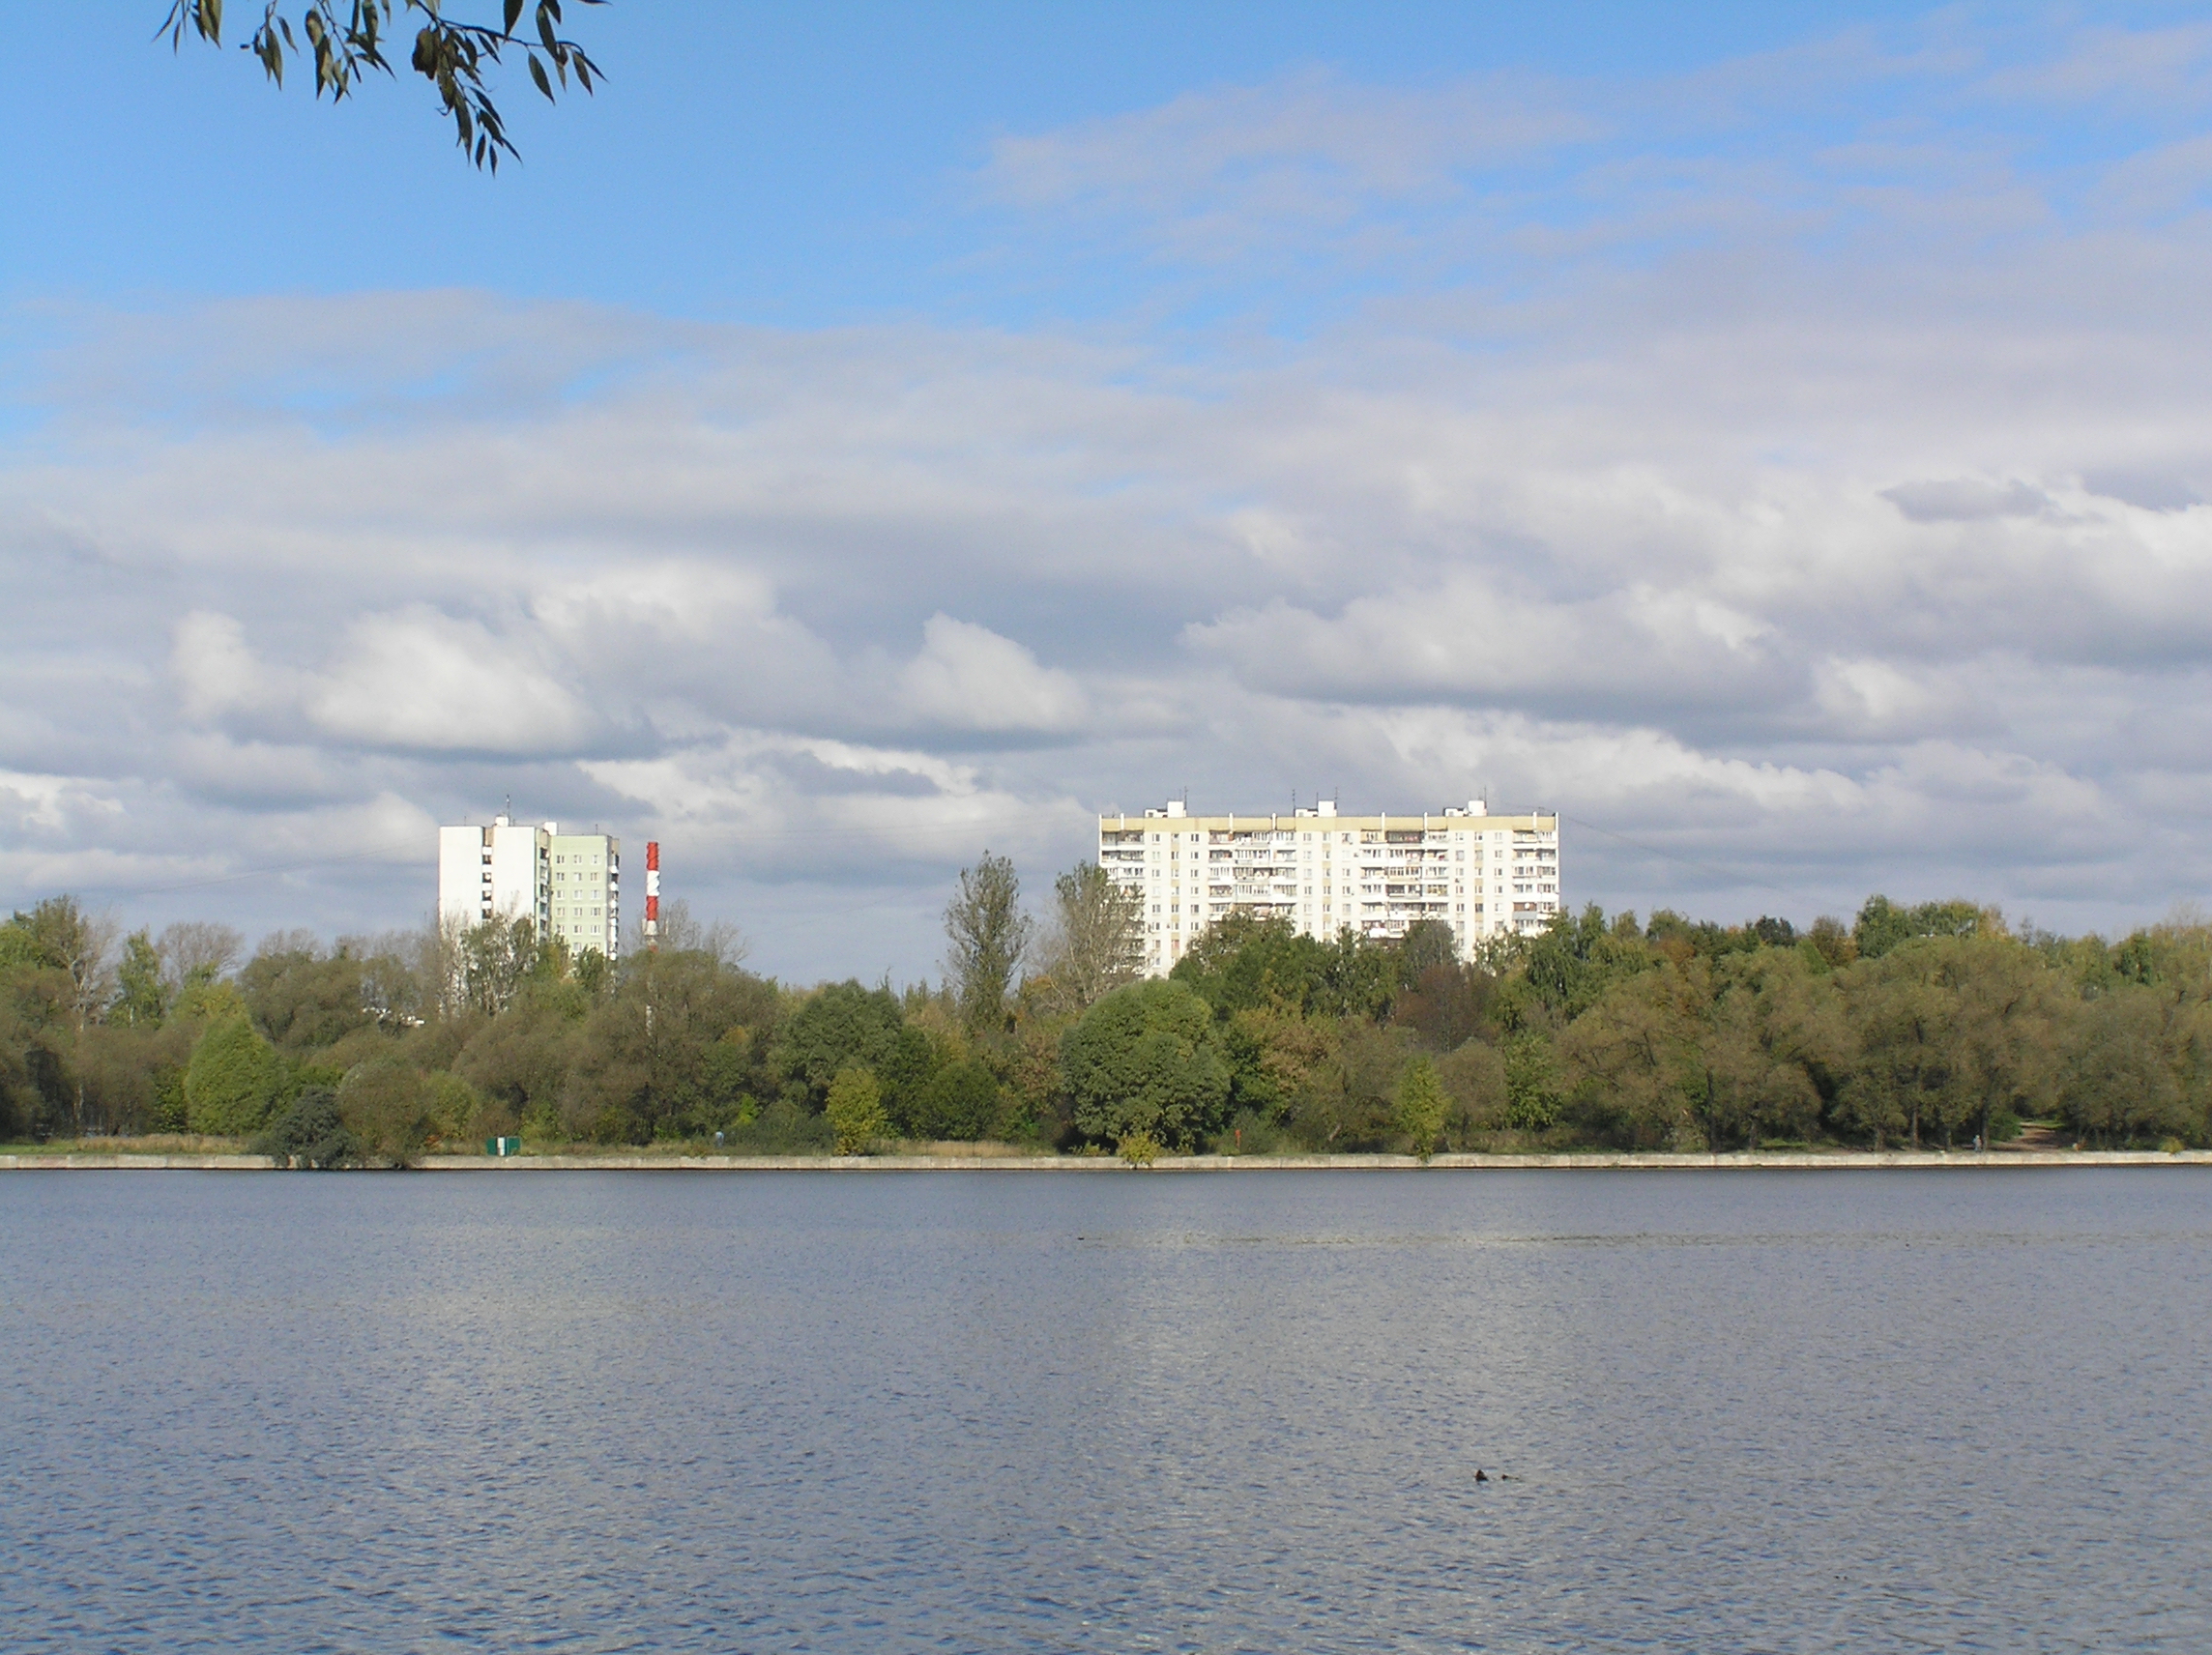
pixel 213 667
pixel 969 677
pixel 418 678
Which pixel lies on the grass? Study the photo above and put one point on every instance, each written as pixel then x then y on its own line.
pixel 153 1144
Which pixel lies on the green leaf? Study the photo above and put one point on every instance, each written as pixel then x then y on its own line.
pixel 513 14
pixel 537 73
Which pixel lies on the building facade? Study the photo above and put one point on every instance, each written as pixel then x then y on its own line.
pixel 1484 876
pixel 569 885
pixel 586 895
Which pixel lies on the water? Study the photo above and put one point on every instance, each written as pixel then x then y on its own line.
pixel 603 1411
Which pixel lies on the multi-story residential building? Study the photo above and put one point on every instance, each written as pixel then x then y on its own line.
pixel 587 891
pixel 495 872
pixel 568 883
pixel 1484 876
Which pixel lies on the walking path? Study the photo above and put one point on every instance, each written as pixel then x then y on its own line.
pixel 1835 1160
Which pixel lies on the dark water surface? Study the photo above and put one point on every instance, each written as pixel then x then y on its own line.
pixel 605 1412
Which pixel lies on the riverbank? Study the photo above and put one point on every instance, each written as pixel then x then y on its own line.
pixel 1842 1160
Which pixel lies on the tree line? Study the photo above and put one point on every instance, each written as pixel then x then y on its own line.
pixel 1934 1025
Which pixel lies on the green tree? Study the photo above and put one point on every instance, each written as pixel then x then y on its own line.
pixel 855 1112
pixel 840 1026
pixel 1529 1067
pixel 1635 1063
pixel 1473 1079
pixel 1246 963
pixel 1348 1101
pixel 522 1058
pixel 962 1101
pixel 59 934
pixel 343 39
pixel 1883 926
pixel 642 1065
pixel 141 996
pixel 1421 1108
pixel 911 1064
pixel 300 998
pixel 1144 1059
pixel 1775 1046
pixel 1426 945
pixel 1569 968
pixel 1094 944
pixel 986 935
pixel 2123 1080
pixel 1910 1076
pixel 233 1080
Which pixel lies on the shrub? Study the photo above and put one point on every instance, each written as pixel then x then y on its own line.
pixel 310 1133
pixel 856 1111
pixel 233 1080
pixel 962 1100
pixel 386 1105
pixel 1421 1108
pixel 783 1128
pixel 1140 1149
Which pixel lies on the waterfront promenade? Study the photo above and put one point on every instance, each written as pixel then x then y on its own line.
pixel 1833 1160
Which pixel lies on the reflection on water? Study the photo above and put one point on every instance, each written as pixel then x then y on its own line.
pixel 607 1411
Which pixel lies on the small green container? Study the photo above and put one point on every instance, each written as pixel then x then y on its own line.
pixel 502 1147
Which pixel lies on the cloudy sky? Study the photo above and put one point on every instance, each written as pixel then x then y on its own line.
pixel 863 435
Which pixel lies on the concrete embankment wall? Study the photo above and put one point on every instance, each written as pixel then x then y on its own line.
pixel 1843 1161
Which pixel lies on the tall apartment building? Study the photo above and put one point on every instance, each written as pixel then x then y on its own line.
pixel 1484 876
pixel 586 897
pixel 569 884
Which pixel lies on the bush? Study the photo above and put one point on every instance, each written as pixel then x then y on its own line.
pixel 1476 1091
pixel 1421 1108
pixel 386 1105
pixel 233 1081
pixel 962 1101
pixel 309 1133
pixel 856 1111
pixel 783 1128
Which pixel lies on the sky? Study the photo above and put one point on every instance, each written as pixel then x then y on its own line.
pixel 1775 437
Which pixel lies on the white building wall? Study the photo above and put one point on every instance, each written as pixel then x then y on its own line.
pixel 495 872
pixel 1484 876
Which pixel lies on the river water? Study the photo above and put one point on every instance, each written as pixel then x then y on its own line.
pixel 1114 1412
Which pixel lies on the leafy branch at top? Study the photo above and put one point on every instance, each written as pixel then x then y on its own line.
pixel 452 56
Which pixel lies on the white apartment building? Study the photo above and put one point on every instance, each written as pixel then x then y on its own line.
pixel 1484 876
pixel 568 883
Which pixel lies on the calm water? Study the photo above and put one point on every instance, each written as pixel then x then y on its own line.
pixel 604 1411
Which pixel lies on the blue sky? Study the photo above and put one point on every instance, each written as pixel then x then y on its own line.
pixel 1774 436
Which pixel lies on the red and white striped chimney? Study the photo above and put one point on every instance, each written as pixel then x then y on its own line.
pixel 652 892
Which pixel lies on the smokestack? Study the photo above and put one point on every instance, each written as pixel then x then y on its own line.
pixel 652 892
